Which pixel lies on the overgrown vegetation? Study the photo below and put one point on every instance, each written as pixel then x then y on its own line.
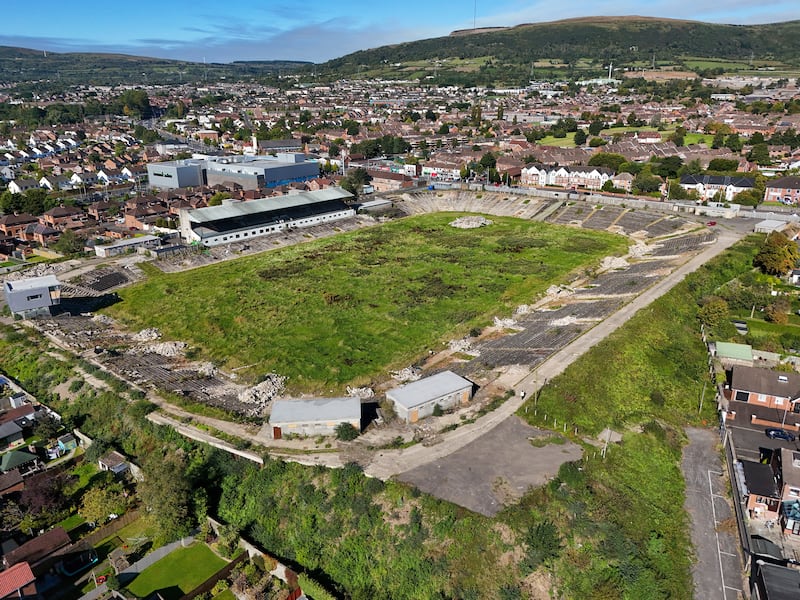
pixel 343 310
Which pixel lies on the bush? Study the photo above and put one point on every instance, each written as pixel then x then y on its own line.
pixel 437 410
pixel 346 432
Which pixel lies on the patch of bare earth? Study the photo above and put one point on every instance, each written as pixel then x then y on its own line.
pixel 537 585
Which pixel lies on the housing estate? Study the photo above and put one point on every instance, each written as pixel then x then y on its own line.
pixel 708 186
pixel 785 190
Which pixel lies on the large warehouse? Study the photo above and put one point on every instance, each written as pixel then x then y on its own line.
pixel 250 172
pixel 240 221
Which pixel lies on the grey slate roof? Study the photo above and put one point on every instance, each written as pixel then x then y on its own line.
pixel 10 428
pixel 315 409
pixel 766 381
pixel 427 389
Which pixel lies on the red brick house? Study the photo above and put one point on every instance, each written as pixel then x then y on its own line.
pixel 784 189
pixel 15 225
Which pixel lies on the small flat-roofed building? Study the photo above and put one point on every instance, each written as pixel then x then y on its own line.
pixel 127 245
pixel 730 354
pixel 774 582
pixel 763 492
pixel 34 296
pixel 243 221
pixel 416 400
pixel 176 174
pixel 769 225
pixel 317 416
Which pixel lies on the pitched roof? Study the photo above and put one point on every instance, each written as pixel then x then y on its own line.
pixel 9 480
pixel 791 182
pixel 39 547
pixel 14 459
pixel 766 381
pixel 15 578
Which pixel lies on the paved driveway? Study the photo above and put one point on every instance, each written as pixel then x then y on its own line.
pixel 717 571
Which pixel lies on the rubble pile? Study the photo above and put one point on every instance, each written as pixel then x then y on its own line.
pixel 613 262
pixel 507 323
pixel 103 319
pixel 471 222
pixel 363 393
pixel 208 369
pixel 462 345
pixel 167 349
pixel 147 335
pixel 523 309
pixel 564 321
pixel 260 396
pixel 407 374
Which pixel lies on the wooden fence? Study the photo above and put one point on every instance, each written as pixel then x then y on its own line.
pixel 113 527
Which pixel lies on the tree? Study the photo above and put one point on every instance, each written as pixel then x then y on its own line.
pixel 777 255
pixel 334 150
pixel 607 159
pixel 69 243
pixel 778 311
pixel 645 182
pixel 217 198
pixel 595 127
pixel 759 154
pixel 166 492
pixel 100 502
pixel 580 137
pixel 719 140
pixel 355 181
pixel 47 427
pixel 723 164
pixel 713 312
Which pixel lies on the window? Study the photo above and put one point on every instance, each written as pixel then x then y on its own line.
pixel 794 492
pixel 34 297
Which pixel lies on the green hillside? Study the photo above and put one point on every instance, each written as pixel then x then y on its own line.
pixel 577 47
pixel 25 65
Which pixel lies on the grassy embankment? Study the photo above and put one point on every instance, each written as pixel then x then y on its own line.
pixel 621 518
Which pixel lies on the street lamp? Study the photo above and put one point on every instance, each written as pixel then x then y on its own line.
pixel 786 410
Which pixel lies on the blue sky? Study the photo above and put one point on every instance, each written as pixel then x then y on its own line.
pixel 317 30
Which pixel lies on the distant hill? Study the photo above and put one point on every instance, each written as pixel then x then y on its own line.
pixel 26 65
pixel 578 47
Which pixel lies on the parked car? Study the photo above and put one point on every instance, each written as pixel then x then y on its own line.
pixel 776 433
pixel 711 223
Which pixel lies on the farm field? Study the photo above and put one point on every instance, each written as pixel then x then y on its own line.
pixel 344 309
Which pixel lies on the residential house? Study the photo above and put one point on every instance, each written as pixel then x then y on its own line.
pixel 11 482
pixel 55 183
pixel 623 181
pixel 15 225
pixel 418 399
pixel 42 552
pixel 708 186
pixel 386 181
pixel 774 391
pixel 317 416
pixel 63 217
pixel 785 190
pixel 762 491
pixel 18 582
pixel 20 186
pixel 84 180
pixel 785 463
pixel 25 462
pixel 10 435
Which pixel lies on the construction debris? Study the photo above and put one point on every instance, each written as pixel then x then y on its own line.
pixel 147 335
pixel 407 374
pixel 471 222
pixel 168 349
pixel 364 393
pixel 260 396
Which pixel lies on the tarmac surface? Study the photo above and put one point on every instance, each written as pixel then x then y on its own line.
pixel 495 469
pixel 717 570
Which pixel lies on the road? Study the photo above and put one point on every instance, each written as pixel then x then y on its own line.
pixel 392 462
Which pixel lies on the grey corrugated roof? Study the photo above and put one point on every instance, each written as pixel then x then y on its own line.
pixel 427 389
pixel 315 409
pixel 250 207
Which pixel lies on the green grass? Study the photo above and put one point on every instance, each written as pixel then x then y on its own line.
pixel 177 573
pixel 72 522
pixel 345 309
pixel 228 595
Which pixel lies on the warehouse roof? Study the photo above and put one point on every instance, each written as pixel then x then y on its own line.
pixel 427 389
pixel 32 283
pixel 235 210
pixel 315 409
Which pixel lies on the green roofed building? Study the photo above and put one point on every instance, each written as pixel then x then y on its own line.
pixel 730 354
pixel 26 462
